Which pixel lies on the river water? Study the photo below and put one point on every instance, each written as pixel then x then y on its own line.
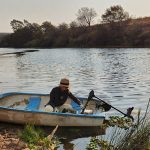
pixel 120 76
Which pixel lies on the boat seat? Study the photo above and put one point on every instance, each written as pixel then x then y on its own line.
pixel 34 103
pixel 75 106
pixel 78 108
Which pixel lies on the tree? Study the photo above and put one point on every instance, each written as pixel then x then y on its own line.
pixel 85 16
pixel 27 23
pixel 47 27
pixel 16 25
pixel 49 34
pixel 73 25
pixel 63 27
pixel 115 14
pixel 63 35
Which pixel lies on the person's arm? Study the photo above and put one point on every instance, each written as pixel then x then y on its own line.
pixel 76 100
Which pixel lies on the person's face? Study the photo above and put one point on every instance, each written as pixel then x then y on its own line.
pixel 63 88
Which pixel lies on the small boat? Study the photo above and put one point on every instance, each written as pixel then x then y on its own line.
pixel 28 108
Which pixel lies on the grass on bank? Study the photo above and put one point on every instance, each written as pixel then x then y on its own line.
pixel 37 140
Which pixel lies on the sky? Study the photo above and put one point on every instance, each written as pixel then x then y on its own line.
pixel 60 11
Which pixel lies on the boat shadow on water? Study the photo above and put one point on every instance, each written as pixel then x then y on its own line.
pixel 67 135
pixel 76 132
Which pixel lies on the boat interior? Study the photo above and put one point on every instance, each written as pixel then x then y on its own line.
pixel 35 102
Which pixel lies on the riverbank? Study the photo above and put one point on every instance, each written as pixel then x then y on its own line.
pixel 9 138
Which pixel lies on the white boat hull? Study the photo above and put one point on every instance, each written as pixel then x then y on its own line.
pixel 20 115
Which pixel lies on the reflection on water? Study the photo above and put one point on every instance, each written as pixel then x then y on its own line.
pixel 74 133
pixel 118 75
pixel 67 135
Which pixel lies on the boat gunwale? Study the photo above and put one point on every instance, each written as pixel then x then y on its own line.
pixel 20 93
pixel 27 93
pixel 53 113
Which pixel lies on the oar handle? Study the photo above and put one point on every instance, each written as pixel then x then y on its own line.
pixel 82 112
pixel 112 106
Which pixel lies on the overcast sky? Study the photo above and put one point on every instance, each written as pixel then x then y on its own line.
pixel 59 11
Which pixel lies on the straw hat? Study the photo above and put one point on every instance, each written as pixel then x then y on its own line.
pixel 64 82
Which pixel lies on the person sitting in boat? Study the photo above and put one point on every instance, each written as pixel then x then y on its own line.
pixel 58 97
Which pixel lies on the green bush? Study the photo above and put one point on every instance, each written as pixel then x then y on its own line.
pixel 36 138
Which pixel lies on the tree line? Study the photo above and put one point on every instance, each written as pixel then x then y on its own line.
pixel 116 29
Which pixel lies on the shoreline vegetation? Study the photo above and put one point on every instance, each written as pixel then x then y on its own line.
pixel 125 135
pixel 116 30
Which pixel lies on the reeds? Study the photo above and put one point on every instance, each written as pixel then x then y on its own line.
pixel 138 136
pixel 135 137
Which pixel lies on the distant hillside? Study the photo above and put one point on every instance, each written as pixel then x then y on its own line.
pixel 144 21
pixel 2 35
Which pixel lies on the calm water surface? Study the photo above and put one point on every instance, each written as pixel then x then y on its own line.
pixel 121 76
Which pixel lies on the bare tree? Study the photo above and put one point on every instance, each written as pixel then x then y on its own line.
pixel 85 16
pixel 115 14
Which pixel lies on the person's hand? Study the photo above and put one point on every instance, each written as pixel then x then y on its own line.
pixel 81 106
pixel 48 108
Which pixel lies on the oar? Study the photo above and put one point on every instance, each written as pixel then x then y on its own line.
pixel 91 94
pixel 128 115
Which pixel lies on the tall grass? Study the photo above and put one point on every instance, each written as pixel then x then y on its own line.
pixel 136 137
